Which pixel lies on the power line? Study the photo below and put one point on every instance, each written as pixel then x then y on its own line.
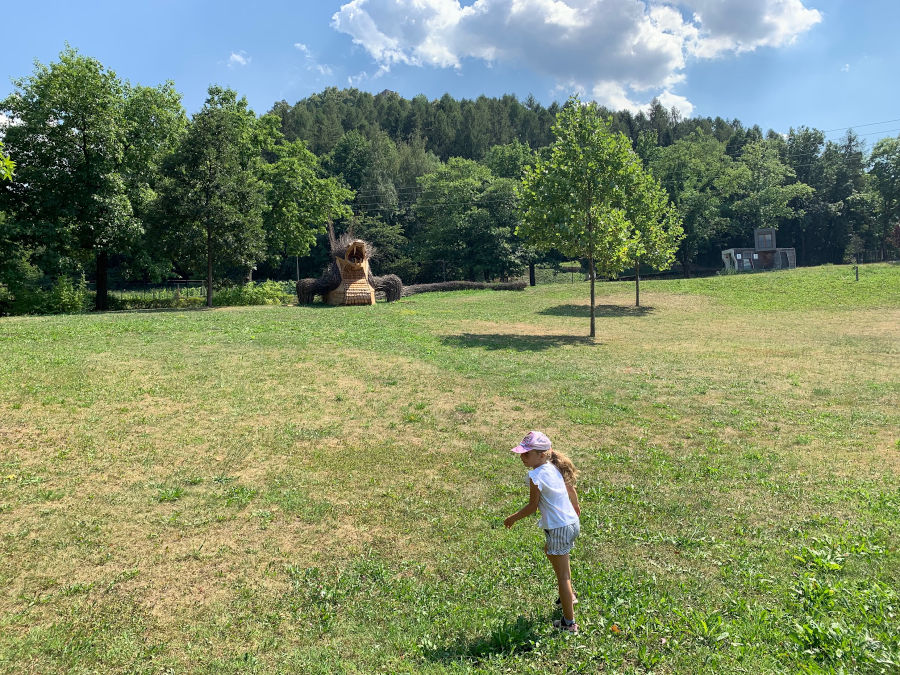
pixel 872 133
pixel 856 126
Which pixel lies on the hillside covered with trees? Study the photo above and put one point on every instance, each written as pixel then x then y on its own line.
pixel 113 181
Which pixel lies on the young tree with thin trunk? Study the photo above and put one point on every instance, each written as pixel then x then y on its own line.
pixel 655 229
pixel 589 196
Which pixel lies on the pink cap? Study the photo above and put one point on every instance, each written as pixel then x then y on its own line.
pixel 535 440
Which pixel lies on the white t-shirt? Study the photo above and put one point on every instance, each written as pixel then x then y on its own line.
pixel 555 505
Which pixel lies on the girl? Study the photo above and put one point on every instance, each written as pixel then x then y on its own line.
pixel 552 484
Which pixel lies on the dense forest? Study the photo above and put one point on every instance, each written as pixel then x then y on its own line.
pixel 114 182
pixel 718 171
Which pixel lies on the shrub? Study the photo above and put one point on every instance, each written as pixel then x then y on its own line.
pixel 37 296
pixel 463 286
pixel 67 297
pixel 156 299
pixel 30 297
pixel 266 293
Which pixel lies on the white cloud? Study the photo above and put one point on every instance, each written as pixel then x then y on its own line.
pixel 845 68
pixel 619 50
pixel 613 96
pixel 311 63
pixel 359 78
pixel 670 100
pixel 356 80
pixel 238 59
pixel 742 26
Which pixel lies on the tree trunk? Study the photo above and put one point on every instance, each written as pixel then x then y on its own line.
pixel 101 301
pixel 593 276
pixel 637 283
pixel 209 266
pixel 531 280
pixel 803 250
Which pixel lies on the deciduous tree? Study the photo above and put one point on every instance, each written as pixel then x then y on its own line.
pixel 884 165
pixel 468 221
pixel 691 170
pixel 299 201
pixel 764 189
pixel 654 228
pixel 588 195
pixel 212 202
pixel 85 143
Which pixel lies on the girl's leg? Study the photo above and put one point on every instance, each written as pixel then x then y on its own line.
pixel 564 581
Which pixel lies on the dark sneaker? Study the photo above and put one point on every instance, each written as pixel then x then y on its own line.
pixel 562 624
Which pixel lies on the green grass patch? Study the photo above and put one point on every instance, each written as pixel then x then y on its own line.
pixel 322 489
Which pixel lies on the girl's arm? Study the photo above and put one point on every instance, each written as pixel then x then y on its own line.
pixel 534 498
pixel 573 497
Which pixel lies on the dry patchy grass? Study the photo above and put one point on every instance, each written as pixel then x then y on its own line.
pixel 246 476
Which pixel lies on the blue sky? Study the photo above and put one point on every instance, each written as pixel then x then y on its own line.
pixel 827 64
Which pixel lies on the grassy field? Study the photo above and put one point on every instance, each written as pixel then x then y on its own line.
pixel 322 490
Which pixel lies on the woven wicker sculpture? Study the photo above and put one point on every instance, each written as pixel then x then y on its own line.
pixel 348 279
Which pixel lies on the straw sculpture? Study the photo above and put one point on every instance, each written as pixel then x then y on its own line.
pixel 348 279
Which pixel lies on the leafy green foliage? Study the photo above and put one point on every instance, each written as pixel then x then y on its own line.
pixel 589 197
pixel 468 220
pixel 298 202
pixel 62 296
pixel 266 293
pixel 510 160
pixel 169 493
pixel 210 211
pixel 763 188
pixel 7 166
pixel 885 172
pixel 95 186
pixel 692 169
pixel 86 143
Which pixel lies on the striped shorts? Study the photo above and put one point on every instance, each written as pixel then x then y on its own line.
pixel 560 540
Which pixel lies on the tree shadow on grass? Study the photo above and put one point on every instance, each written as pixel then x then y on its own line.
pixel 512 637
pixel 599 310
pixel 521 343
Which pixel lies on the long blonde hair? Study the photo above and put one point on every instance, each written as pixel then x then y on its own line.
pixel 565 466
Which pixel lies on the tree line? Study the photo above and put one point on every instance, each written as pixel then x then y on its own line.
pixel 108 180
pixel 832 200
